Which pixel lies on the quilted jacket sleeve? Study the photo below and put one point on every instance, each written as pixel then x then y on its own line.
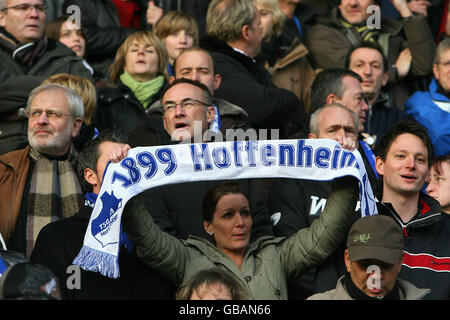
pixel 311 246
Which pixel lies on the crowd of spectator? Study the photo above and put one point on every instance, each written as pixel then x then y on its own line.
pixel 83 82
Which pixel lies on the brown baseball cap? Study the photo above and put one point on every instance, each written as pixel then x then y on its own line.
pixel 375 237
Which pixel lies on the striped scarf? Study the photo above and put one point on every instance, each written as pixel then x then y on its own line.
pixel 55 193
pixel 364 32
pixel 26 54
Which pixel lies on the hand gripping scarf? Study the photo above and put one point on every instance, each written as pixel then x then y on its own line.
pixel 150 167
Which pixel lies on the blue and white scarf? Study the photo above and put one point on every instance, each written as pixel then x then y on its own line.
pixel 150 167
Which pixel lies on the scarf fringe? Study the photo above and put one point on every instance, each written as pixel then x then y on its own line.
pixel 94 260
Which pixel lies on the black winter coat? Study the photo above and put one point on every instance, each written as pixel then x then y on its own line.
pixel 60 242
pixel 248 85
pixel 118 107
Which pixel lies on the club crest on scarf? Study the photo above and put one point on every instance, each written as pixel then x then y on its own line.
pixel 102 224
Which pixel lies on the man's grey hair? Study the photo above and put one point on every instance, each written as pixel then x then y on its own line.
pixel 74 100
pixel 443 46
pixel 225 18
pixel 314 120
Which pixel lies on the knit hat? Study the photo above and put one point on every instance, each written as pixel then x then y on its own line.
pixel 375 237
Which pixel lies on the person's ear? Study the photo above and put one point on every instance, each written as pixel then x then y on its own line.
pixel 385 79
pixel 210 114
pixel 77 123
pixel 379 165
pixel 171 79
pixel 347 260
pixel 2 19
pixel 331 98
pixel 312 136
pixel 217 81
pixel 436 71
pixel 245 32
pixel 208 228
pixel 90 176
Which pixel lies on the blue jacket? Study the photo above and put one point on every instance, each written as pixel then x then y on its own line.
pixel 422 107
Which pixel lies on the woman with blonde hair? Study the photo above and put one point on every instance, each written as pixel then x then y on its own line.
pixel 86 90
pixel 178 31
pixel 137 78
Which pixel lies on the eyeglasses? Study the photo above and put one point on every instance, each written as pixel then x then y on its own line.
pixel 26 7
pixel 50 114
pixel 186 104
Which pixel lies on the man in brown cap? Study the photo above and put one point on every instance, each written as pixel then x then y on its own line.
pixel 373 259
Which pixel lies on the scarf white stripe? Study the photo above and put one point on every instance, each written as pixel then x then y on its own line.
pixel 149 167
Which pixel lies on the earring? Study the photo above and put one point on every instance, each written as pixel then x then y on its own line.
pixel 210 233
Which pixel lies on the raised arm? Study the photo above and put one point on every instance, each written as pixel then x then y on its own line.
pixel 159 250
pixel 311 246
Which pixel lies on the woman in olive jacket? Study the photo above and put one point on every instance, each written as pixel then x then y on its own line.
pixel 264 266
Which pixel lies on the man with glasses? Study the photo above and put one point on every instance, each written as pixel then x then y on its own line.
pixel 432 108
pixel 184 108
pixel 27 58
pixel 195 64
pixel 177 208
pixel 39 184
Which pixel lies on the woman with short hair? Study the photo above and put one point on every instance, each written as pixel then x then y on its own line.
pixel 137 78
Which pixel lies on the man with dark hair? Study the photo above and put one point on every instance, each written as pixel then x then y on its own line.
pixel 60 242
pixel 368 60
pixel 403 160
pixel 373 259
pixel 408 44
pixel 233 37
pixel 343 86
pixel 27 58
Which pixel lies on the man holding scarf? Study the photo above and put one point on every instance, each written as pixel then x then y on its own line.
pixel 59 242
pixel 27 57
